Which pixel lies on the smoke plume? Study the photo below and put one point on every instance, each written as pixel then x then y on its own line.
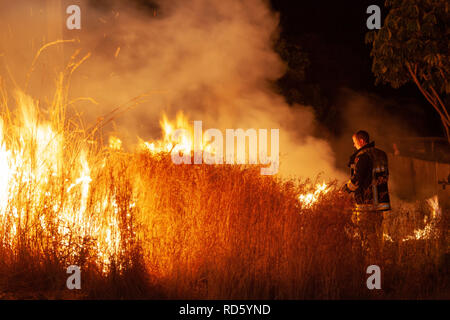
pixel 214 60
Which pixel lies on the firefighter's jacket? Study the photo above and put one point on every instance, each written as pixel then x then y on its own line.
pixel 369 179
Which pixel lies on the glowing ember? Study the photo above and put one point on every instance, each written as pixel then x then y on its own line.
pixel 427 232
pixel 115 143
pixel 307 200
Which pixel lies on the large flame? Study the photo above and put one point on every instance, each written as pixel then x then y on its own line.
pixel 184 143
pixel 37 162
pixel 47 172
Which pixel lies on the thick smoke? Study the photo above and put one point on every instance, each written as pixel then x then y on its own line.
pixel 376 115
pixel 212 59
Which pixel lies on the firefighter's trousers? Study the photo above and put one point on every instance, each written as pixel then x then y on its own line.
pixel 370 228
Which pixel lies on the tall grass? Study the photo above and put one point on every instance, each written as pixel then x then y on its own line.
pixel 140 226
pixel 220 232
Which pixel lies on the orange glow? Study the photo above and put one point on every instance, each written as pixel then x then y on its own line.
pixel 308 199
pixel 184 143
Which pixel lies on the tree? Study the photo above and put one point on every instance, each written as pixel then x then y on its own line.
pixel 297 62
pixel 413 45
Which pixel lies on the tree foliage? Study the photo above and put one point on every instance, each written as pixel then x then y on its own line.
pixel 297 63
pixel 295 86
pixel 413 45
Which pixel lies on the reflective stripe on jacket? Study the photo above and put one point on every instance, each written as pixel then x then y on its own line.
pixel 369 179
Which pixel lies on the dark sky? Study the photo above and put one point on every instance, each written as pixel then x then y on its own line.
pixel 332 33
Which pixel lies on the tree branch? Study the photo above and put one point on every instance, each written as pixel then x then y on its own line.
pixel 440 102
pixel 428 96
pixel 432 100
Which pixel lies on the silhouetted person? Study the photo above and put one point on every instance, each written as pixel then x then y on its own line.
pixel 369 184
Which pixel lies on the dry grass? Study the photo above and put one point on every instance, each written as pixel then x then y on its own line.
pixel 221 232
pixel 143 227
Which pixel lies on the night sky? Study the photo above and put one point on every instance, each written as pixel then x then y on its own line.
pixel 332 34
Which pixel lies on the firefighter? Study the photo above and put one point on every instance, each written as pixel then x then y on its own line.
pixel 369 185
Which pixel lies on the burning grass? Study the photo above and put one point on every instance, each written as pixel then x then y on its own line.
pixel 140 226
